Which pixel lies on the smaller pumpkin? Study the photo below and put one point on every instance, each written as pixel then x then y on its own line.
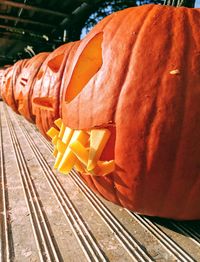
pixel 1 79
pixel 24 84
pixel 47 86
pixel 10 78
pixel 6 90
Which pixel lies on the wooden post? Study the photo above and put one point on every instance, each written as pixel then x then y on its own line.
pixel 187 3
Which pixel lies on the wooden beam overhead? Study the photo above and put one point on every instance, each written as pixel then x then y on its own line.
pixel 21 30
pixel 33 8
pixel 27 39
pixel 26 21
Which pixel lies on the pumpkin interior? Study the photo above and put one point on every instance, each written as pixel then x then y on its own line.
pixel 55 63
pixel 88 64
pixel 44 102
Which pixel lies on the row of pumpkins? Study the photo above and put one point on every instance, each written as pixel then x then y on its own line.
pixel 136 74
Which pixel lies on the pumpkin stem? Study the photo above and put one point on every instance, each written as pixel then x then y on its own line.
pixel 179 3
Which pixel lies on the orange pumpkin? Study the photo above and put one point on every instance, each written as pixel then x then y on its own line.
pixel 46 88
pixel 1 80
pixel 134 84
pixel 24 84
pixel 138 71
pixel 10 78
pixel 2 83
pixel 6 92
pixel 17 68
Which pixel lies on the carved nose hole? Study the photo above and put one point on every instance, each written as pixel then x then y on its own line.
pixel 88 64
pixel 55 63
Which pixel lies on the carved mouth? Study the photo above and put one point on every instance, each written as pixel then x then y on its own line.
pixel 82 149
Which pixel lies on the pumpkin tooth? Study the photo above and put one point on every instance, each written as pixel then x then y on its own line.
pixel 62 131
pixel 69 158
pixel 58 122
pixel 80 149
pixel 52 132
pixel 54 140
pixel 104 168
pixel 67 162
pixel 68 132
pixel 61 147
pixel 58 160
pixel 98 140
pixel 80 152
pixel 67 135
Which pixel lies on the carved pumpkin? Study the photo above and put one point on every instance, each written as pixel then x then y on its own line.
pixel 24 84
pixel 138 70
pixel 10 78
pixel 46 88
pixel 17 69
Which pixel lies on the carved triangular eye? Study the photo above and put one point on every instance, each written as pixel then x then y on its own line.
pixel 45 103
pixel 55 63
pixel 88 64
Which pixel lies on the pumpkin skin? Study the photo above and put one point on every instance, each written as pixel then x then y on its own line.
pixel 17 69
pixel 46 88
pixel 148 88
pixel 2 82
pixel 24 84
pixel 1 78
pixel 6 91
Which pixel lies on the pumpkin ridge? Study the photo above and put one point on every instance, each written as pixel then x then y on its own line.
pixel 133 43
pixel 169 179
pixel 195 20
pixel 30 91
pixel 152 116
pixel 178 172
pixel 190 196
pixel 12 85
pixel 159 83
pixel 115 189
pixel 60 94
pixel 184 57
